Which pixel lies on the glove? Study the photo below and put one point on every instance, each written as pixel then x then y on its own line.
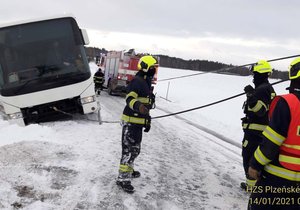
pixel 249 90
pixel 147 124
pixel 143 109
pixel 253 173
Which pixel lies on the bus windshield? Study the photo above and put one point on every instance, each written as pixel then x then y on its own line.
pixel 32 53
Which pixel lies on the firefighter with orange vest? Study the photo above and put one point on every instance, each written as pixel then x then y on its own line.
pixel 276 162
pixel 139 100
pixel 256 113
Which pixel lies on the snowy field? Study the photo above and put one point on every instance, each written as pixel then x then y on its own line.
pixel 190 92
pixel 185 161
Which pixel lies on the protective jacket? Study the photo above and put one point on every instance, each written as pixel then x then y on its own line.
pixel 99 78
pixel 138 92
pixel 279 153
pixel 256 107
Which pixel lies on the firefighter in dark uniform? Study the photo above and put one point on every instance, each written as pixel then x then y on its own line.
pixel 139 100
pixel 98 80
pixel 256 113
pixel 276 161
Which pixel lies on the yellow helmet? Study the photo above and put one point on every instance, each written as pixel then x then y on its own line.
pixel 262 67
pixel 294 70
pixel 146 62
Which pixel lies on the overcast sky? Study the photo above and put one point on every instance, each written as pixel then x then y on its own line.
pixel 229 31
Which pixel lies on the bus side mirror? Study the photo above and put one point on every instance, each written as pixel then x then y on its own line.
pixel 85 37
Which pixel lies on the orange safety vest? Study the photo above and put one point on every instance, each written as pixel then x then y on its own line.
pixel 289 155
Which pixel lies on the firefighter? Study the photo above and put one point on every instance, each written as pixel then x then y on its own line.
pixel 276 161
pixel 98 80
pixel 256 109
pixel 139 100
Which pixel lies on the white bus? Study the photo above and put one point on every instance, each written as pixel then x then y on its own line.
pixel 44 72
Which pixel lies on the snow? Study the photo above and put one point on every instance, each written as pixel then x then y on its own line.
pixel 186 161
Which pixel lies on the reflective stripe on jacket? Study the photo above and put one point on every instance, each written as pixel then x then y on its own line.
pixel 135 120
pixel 254 126
pixel 283 172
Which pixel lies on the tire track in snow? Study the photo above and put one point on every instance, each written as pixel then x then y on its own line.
pixel 208 131
pixel 178 180
pixel 205 165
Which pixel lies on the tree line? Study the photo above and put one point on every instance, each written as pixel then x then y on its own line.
pixel 196 65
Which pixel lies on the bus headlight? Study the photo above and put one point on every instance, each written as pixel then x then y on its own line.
pixel 16 115
pixel 88 99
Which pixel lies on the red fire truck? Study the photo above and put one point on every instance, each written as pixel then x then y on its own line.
pixel 120 69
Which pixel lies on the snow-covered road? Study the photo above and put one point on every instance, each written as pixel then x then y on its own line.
pixel 74 164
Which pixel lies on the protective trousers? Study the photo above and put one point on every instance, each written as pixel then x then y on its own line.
pixel 251 141
pixel 131 146
pixel 98 86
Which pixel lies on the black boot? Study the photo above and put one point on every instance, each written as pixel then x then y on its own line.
pixel 135 174
pixel 126 186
